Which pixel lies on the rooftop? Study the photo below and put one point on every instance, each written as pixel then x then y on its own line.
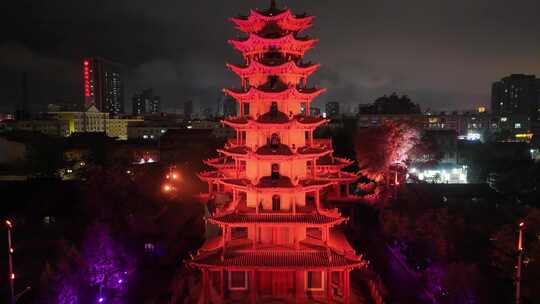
pixel 278 259
pixel 267 218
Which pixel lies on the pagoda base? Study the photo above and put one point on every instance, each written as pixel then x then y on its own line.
pixel 255 286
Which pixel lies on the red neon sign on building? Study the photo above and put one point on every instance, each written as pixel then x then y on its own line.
pixel 86 79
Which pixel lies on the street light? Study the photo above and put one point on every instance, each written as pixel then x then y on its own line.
pixel 11 274
pixel 519 258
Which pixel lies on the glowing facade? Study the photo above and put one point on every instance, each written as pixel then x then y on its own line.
pixel 277 239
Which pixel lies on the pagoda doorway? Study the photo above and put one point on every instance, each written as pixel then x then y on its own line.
pixel 276 203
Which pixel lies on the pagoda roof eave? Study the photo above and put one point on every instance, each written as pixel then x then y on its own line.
pixel 296 46
pixel 285 19
pixel 274 259
pixel 254 94
pixel 276 219
pixel 255 124
pixel 288 67
pixel 244 184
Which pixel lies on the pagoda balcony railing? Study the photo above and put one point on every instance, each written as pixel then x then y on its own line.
pixel 326 142
pixel 232 142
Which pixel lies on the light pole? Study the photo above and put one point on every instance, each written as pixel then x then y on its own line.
pixel 11 275
pixel 519 257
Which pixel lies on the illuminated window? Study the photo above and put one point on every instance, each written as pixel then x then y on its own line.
pixel 149 247
pixel 238 280
pixel 517 125
pixel 314 280
pixel 504 119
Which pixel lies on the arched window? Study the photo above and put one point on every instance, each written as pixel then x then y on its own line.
pixel 275 171
pixel 274 140
pixel 276 203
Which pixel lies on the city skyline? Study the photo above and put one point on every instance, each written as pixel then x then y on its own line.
pixel 444 56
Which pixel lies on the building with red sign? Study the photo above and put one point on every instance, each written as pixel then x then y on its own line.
pixel 103 85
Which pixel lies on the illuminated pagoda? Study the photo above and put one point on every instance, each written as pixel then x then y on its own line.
pixel 277 239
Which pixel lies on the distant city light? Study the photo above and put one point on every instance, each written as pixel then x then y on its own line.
pixel 167 188
pixel 481 109
pixel 457 175
pixel 101 299
pixel 473 136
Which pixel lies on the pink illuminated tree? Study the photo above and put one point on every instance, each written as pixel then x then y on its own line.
pixel 378 149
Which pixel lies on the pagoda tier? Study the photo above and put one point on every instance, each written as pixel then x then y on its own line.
pixel 286 20
pixel 275 121
pixel 258 95
pixel 289 72
pixel 281 152
pixel 289 44
pixel 281 184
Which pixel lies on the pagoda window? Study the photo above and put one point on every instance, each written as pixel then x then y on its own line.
pixel 275 171
pixel 276 203
pixel 314 280
pixel 303 107
pixel 275 141
pixel 246 109
pixel 314 233
pixel 239 233
pixel 274 107
pixel 243 136
pixel 238 280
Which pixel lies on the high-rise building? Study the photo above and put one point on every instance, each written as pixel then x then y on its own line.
pixel 278 240
pixel 332 109
pixel 229 107
pixel 516 94
pixel 103 85
pixel 146 103
pixel 188 109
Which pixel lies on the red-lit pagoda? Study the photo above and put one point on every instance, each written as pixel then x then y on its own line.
pixel 277 240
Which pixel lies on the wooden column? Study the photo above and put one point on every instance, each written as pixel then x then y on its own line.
pixel 205 286
pixel 252 287
pixel 299 288
pixel 329 293
pixel 347 288
pixel 318 199
pixel 222 286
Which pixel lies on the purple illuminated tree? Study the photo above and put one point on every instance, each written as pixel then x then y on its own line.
pixel 107 261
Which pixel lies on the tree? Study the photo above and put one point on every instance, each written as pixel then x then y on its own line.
pixel 107 260
pixel 377 149
pixel 392 104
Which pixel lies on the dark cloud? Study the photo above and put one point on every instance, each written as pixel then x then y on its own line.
pixel 443 54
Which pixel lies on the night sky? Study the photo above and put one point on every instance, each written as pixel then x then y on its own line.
pixel 443 54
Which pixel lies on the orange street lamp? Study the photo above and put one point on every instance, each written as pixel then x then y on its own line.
pixel 519 261
pixel 9 225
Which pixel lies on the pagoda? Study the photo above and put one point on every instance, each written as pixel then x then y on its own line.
pixel 277 239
